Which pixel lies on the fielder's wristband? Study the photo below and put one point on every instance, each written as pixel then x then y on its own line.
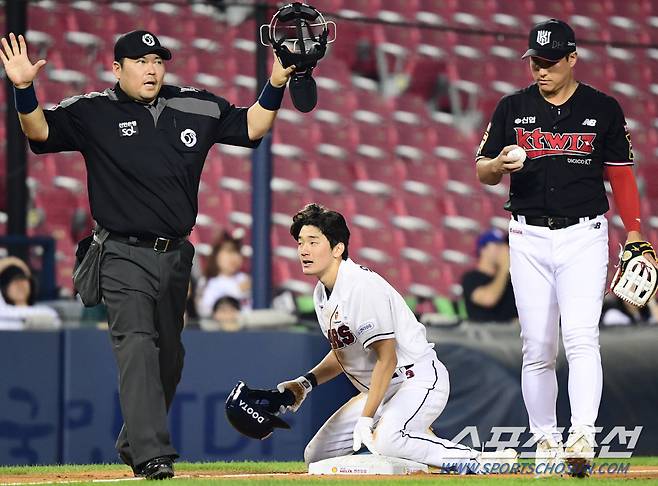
pixel 311 379
pixel 270 98
pixel 26 99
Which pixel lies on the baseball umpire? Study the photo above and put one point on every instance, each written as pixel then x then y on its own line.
pixel 144 145
pixel 572 135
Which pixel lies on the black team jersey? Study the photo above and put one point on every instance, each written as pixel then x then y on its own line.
pixel 567 147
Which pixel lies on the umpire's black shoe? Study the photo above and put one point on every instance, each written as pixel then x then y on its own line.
pixel 128 462
pixel 156 468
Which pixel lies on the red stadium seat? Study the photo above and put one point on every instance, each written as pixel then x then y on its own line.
pixel 406 37
pixel 427 277
pixel 475 13
pixel 554 10
pixel 345 136
pixel 344 203
pixel 638 9
pixel 293 169
pixel 289 203
pixel 399 10
pixel 379 143
pixel 427 207
pixel 443 9
pixel 341 171
pixel 388 171
pixel 172 20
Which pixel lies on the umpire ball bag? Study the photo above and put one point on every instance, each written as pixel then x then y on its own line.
pixel 252 412
pixel 299 35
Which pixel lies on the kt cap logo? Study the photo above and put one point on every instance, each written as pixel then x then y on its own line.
pixel 543 37
pixel 148 40
pixel 188 137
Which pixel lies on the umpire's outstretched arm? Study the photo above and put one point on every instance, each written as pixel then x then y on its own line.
pixel 259 118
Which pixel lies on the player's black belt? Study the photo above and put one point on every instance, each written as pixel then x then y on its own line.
pixel 160 245
pixel 400 370
pixel 552 222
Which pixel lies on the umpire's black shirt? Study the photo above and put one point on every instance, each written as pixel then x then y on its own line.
pixel 567 147
pixel 144 162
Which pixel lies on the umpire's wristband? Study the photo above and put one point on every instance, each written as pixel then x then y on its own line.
pixel 26 99
pixel 270 98
pixel 311 379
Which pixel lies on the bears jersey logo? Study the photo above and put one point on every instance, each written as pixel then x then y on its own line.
pixel 340 337
pixel 541 144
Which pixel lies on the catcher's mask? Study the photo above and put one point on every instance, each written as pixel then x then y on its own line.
pixel 252 412
pixel 299 35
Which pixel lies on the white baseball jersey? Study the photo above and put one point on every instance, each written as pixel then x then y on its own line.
pixel 364 308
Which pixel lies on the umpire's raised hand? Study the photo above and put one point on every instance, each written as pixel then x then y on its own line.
pixel 280 75
pixel 20 71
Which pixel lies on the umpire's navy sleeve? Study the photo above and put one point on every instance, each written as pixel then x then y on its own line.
pixel 233 128
pixel 63 132
pixel 493 139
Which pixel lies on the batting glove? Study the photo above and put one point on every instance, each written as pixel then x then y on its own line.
pixel 299 387
pixel 363 434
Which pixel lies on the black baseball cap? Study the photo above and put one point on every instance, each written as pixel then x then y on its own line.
pixel 138 43
pixel 551 40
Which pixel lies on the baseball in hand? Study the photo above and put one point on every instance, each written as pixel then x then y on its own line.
pixel 517 154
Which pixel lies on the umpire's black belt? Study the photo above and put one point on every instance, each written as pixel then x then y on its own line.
pixel 400 371
pixel 551 222
pixel 158 244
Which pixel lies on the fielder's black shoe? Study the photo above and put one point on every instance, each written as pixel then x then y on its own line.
pixel 156 468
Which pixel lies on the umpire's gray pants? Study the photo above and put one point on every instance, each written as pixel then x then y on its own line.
pixel 145 293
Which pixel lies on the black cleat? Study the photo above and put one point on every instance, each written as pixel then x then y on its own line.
pixel 156 468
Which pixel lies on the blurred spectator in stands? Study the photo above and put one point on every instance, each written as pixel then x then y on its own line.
pixel 226 312
pixel 488 290
pixel 618 312
pixel 17 293
pixel 225 316
pixel 365 63
pixel 225 276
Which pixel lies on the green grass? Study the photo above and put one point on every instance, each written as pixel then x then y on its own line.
pixel 215 468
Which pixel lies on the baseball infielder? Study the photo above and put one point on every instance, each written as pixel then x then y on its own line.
pixel 377 342
pixel 558 235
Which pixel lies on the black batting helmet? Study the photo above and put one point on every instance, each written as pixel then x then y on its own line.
pixel 252 412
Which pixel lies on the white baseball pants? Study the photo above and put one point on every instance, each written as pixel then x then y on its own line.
pixel 412 403
pixel 559 279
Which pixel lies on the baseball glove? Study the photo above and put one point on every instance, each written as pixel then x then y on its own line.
pixel 636 279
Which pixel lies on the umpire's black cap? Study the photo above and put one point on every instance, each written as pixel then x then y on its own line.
pixel 138 43
pixel 551 40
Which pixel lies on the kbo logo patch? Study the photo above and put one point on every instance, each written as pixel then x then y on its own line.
pixel 188 137
pixel 148 40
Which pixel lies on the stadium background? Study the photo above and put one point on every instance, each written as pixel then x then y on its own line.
pixel 404 95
